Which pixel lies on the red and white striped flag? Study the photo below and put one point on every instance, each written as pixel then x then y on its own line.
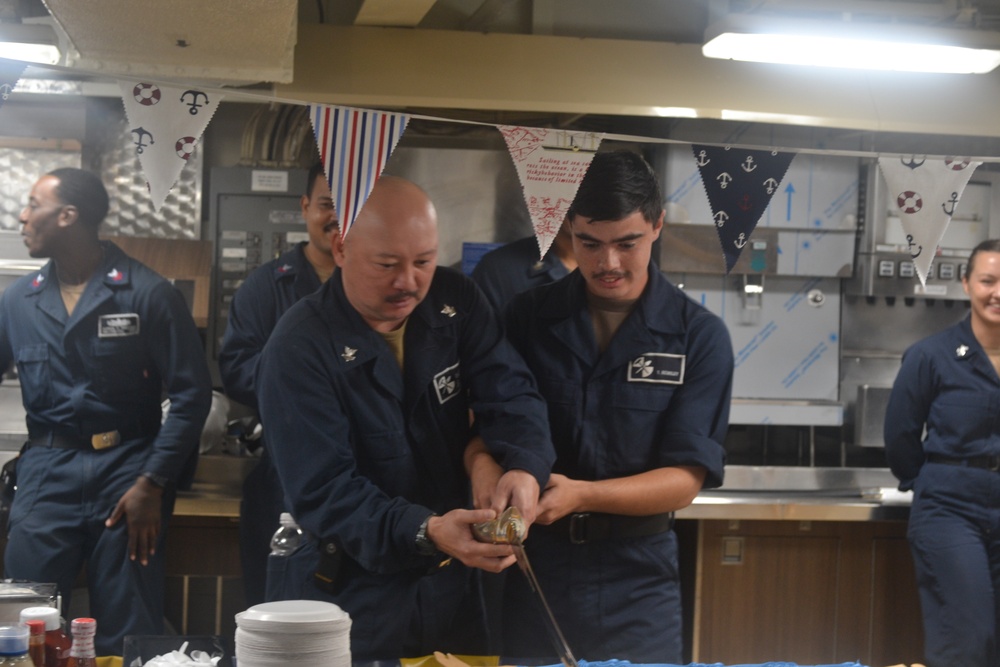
pixel 354 146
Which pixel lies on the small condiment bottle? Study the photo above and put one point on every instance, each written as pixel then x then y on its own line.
pixel 82 653
pixel 14 646
pixel 56 642
pixel 36 642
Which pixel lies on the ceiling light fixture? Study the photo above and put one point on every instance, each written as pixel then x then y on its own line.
pixel 29 43
pixel 887 46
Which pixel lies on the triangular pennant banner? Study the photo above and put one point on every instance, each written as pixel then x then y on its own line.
pixel 10 72
pixel 166 124
pixel 550 165
pixel 739 184
pixel 925 192
pixel 354 146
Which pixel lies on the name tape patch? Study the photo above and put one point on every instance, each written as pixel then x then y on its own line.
pixel 657 367
pixel 447 384
pixel 118 325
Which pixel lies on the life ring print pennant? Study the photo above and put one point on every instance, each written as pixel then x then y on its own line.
pixel 739 184
pixel 10 74
pixel 165 124
pixel 923 196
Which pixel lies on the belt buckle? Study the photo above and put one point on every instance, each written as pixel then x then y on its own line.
pixel 105 440
pixel 578 527
pixel 993 463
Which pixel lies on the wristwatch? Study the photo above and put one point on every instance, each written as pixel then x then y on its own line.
pixel 425 546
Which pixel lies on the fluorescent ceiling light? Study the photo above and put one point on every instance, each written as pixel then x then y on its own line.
pixel 675 112
pixel 29 43
pixel 765 117
pixel 852 45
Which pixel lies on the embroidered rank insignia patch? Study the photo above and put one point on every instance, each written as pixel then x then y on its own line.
pixel 118 325
pixel 658 368
pixel 447 384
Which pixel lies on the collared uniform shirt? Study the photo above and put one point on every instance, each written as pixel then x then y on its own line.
pixel 658 396
pixel 104 367
pixel 947 384
pixel 261 300
pixel 365 452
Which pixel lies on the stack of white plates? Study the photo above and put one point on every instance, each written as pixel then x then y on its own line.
pixel 304 633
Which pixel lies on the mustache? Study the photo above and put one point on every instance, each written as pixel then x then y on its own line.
pixel 607 274
pixel 402 296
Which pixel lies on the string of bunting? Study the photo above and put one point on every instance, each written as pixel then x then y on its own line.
pixel 166 122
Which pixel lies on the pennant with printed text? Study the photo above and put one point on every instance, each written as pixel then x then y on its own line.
pixel 354 146
pixel 10 73
pixel 925 193
pixel 739 184
pixel 550 165
pixel 166 124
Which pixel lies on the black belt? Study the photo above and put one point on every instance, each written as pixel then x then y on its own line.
pixel 586 527
pixel 984 462
pixel 96 441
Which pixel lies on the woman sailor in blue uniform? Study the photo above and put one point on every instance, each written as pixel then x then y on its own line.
pixel 948 388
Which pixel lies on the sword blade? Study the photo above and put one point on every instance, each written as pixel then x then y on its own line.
pixel 555 634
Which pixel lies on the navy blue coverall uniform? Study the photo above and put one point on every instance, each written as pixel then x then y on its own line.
pixel 366 453
pixel 102 369
pixel 514 268
pixel 657 396
pixel 259 303
pixel 947 384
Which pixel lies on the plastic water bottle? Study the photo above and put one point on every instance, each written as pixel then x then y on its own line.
pixel 287 538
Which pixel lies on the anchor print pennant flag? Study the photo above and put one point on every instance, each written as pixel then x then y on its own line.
pixel 925 193
pixel 550 165
pixel 10 72
pixel 739 184
pixel 354 145
pixel 166 124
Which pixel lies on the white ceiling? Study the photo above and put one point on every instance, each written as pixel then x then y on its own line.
pixel 250 41
pixel 455 54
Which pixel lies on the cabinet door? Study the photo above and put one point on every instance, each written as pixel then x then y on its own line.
pixel 805 592
pixel 754 589
pixel 897 627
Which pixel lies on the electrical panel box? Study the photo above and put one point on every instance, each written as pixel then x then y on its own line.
pixel 255 216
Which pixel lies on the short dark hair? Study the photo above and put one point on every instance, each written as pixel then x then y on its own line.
pixel 989 245
pixel 83 190
pixel 617 184
pixel 315 171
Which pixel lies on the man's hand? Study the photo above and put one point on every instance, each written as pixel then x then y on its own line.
pixel 561 497
pixel 484 474
pixel 141 508
pixel 452 535
pixel 517 488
